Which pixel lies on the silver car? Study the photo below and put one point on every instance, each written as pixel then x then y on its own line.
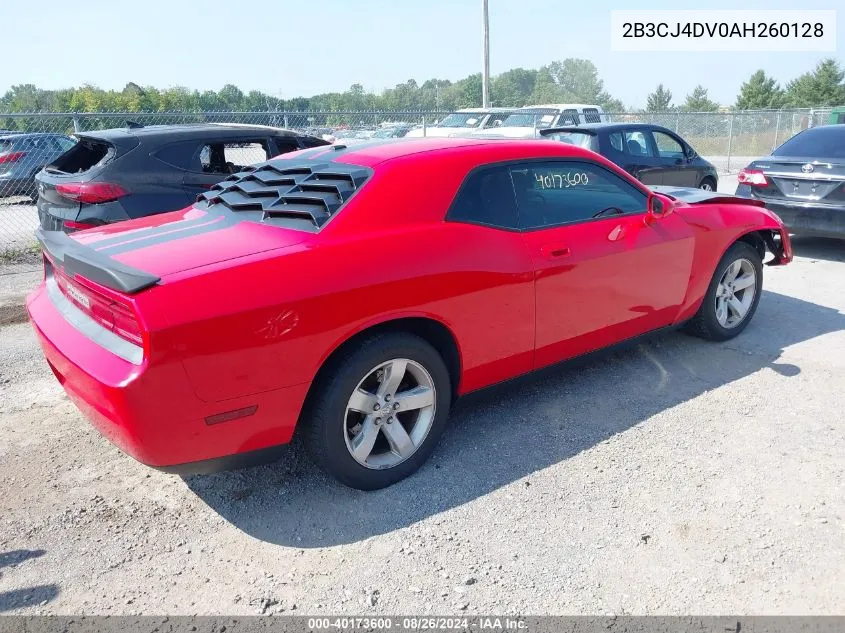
pixel 24 154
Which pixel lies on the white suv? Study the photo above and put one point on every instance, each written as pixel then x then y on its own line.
pixel 526 122
pixel 464 122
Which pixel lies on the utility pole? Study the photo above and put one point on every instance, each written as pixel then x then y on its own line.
pixel 485 70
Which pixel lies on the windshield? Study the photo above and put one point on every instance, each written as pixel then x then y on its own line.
pixel 818 142
pixel 581 139
pixel 544 116
pixel 462 119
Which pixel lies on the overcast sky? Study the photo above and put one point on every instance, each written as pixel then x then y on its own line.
pixel 298 48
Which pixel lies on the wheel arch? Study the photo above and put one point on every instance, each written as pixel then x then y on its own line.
pixel 432 330
pixel 709 177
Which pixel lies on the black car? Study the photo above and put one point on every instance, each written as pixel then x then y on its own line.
pixel 114 175
pixel 651 153
pixel 803 181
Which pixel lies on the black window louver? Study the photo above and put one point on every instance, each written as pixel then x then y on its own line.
pixel 312 192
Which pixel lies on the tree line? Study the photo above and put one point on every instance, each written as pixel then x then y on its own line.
pixel 568 81
pixel 821 87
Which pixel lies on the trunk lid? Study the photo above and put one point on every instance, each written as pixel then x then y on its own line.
pixel 800 179
pixel 133 255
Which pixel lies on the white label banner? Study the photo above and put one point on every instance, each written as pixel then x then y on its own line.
pixel 723 30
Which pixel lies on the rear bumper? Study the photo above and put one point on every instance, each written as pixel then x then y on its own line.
pixel 150 411
pixel 805 218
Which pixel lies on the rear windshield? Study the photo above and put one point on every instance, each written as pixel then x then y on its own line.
pixel 462 119
pixel 818 142
pixel 81 157
pixel 581 139
pixel 544 117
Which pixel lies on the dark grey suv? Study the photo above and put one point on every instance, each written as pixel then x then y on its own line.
pixel 120 174
pixel 22 155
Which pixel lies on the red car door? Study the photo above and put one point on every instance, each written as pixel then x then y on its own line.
pixel 602 274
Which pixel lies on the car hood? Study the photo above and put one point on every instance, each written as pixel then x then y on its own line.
pixel 174 242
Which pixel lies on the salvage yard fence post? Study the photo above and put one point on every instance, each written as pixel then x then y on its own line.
pixel 731 138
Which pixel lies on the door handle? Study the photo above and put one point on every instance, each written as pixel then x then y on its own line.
pixel 554 251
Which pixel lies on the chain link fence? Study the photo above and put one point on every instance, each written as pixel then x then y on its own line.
pixel 28 141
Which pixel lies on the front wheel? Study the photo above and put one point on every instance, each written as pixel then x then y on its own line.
pixel 733 295
pixel 376 414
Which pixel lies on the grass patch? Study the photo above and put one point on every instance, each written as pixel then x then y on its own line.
pixel 30 254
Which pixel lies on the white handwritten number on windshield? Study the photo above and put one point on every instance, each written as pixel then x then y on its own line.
pixel 562 180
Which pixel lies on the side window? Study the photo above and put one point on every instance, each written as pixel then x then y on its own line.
pixel 561 192
pixel 615 139
pixel 667 146
pixel 637 144
pixel 495 120
pixel 285 145
pixel 591 115
pixel 230 158
pixel 570 116
pixel 486 197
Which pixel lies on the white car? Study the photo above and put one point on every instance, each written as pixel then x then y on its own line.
pixel 526 122
pixel 464 122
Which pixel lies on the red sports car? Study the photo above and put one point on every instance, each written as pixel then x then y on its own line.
pixel 351 294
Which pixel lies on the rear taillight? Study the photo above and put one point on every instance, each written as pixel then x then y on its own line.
pixel 91 192
pixel 752 177
pixel 11 157
pixel 106 307
pixel 78 226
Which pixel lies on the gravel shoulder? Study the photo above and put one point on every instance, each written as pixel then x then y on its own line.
pixel 678 476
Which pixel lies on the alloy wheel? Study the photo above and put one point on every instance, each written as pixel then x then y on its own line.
pixel 735 293
pixel 389 414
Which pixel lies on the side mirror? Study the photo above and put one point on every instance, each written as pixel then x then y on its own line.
pixel 658 206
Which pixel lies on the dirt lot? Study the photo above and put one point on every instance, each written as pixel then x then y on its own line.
pixel 677 477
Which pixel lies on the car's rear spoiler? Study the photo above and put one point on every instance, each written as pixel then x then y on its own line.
pixel 700 196
pixel 78 259
pixel 564 130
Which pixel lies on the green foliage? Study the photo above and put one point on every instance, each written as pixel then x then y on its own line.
pixel 759 93
pixel 570 80
pixel 822 87
pixel 698 101
pixel 659 101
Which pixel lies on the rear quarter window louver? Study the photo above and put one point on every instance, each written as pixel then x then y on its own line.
pixel 304 195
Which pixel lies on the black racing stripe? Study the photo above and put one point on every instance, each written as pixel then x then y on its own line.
pixel 214 222
pixel 150 231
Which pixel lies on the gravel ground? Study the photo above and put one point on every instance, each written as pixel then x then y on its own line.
pixel 676 477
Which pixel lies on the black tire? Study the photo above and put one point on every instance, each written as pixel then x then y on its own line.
pixel 324 418
pixel 709 182
pixel 705 323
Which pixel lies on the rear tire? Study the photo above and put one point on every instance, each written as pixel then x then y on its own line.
pixel 354 426
pixel 732 297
